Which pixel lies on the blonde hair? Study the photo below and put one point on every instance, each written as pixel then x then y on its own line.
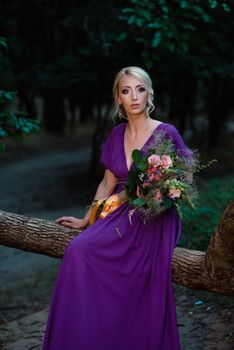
pixel 142 75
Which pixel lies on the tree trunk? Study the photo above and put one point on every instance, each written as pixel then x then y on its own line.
pixel 54 112
pixel 211 271
pixel 98 136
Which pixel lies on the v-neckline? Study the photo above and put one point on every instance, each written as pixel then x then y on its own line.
pixel 124 153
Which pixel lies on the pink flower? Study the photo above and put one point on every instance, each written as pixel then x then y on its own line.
pixel 166 161
pixel 174 193
pixel 146 184
pixel 157 176
pixel 151 170
pixel 158 195
pixel 154 160
pixel 151 177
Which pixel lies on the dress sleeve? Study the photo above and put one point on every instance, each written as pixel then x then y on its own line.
pixel 174 134
pixel 107 151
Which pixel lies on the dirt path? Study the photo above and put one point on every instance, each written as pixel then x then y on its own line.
pixel 204 324
pixel 47 186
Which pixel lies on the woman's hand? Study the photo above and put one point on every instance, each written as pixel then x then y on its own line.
pixel 105 188
pixel 70 221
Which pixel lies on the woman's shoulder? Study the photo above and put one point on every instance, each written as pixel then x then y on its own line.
pixel 168 127
pixel 173 133
pixel 117 130
pixel 170 130
pixel 119 127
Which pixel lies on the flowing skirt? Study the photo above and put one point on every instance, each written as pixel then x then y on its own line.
pixel 114 290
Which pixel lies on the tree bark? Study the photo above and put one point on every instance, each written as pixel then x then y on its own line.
pixel 211 271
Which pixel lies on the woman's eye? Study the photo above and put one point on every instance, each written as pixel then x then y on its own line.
pixel 124 91
pixel 141 89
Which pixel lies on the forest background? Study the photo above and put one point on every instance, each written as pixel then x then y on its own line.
pixel 57 65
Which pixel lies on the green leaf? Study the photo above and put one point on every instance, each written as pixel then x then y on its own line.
pixel 167 202
pixel 143 165
pixel 226 8
pixel 133 181
pixel 164 191
pixel 8 96
pixel 121 37
pixel 138 202
pixel 154 25
pixel 132 19
pixel 136 156
pixel 149 64
pixel 3 133
pixel 127 10
pixel 184 4
pixel 213 3
pixel 139 22
pixel 156 39
pixel 3 42
pixel 133 176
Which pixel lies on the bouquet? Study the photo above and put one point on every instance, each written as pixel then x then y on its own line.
pixel 159 180
pixel 162 178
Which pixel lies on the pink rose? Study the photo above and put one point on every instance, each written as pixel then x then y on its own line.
pixel 158 195
pixel 151 177
pixel 174 193
pixel 151 170
pixel 154 160
pixel 157 176
pixel 166 161
pixel 146 184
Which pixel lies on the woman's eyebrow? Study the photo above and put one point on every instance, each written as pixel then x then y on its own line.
pixel 130 86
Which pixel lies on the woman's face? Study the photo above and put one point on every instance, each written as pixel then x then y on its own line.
pixel 132 94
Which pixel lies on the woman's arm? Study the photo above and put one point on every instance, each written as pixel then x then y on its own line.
pixel 105 188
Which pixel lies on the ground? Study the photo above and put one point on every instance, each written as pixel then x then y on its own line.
pixel 42 178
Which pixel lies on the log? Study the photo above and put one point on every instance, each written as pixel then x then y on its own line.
pixel 211 270
pixel 34 235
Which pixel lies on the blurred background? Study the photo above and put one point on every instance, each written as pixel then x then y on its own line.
pixel 58 61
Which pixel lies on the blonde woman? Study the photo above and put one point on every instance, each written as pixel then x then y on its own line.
pixel 114 291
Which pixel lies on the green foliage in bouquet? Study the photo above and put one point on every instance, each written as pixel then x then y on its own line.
pixel 162 178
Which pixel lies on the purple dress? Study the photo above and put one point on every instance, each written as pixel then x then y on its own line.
pixel 115 292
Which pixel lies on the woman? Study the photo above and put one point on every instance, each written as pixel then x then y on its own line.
pixel 114 289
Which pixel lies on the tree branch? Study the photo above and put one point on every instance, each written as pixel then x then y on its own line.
pixel 211 271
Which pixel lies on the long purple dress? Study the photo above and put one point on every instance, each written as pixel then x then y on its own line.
pixel 115 292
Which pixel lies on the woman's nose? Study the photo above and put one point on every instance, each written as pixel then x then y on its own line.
pixel 134 95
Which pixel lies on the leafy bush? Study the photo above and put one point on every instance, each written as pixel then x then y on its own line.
pixel 199 224
pixel 13 123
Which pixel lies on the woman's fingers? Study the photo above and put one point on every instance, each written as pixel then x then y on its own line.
pixel 64 218
pixel 60 219
pixel 67 224
pixel 70 221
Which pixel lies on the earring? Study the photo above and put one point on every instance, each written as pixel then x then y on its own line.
pixel 147 109
pixel 120 112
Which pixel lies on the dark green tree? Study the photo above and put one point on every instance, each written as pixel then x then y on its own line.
pixel 12 122
pixel 187 46
pixel 72 50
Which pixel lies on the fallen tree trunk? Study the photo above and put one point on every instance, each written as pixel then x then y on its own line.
pixel 211 270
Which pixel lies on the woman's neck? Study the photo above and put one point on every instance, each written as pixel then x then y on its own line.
pixel 139 124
